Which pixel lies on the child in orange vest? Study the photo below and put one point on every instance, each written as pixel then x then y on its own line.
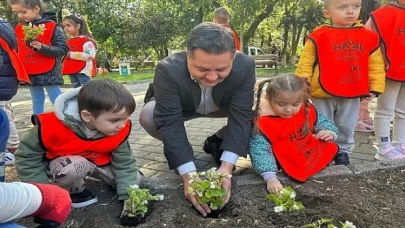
pixel 43 56
pixel 389 22
pixel 88 132
pixel 342 62
pixel 221 16
pixel 290 132
pixel 80 62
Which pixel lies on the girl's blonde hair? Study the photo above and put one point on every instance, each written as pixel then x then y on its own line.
pixel 29 4
pixel 284 83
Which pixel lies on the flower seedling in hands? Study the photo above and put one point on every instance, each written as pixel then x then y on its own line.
pixel 136 206
pixel 31 32
pixel 285 200
pixel 328 224
pixel 207 186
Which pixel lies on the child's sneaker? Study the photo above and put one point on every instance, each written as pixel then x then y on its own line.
pixel 388 152
pixel 341 159
pixel 363 127
pixel 83 199
pixel 400 147
pixel 9 158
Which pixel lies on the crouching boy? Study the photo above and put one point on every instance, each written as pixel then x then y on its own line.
pixel 87 132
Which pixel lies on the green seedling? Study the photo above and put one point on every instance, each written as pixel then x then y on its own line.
pixel 138 201
pixel 31 32
pixel 328 224
pixel 285 200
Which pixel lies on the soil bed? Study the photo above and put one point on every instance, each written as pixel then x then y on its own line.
pixel 372 200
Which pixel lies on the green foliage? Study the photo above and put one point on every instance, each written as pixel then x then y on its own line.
pixel 285 200
pixel 328 224
pixel 31 32
pixel 137 203
pixel 207 186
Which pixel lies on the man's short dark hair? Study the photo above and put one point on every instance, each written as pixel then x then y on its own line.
pixel 211 38
pixel 105 95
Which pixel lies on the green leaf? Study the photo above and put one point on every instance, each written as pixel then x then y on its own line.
pixel 309 226
pixel 325 220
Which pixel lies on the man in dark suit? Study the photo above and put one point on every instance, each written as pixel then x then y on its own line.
pixel 208 79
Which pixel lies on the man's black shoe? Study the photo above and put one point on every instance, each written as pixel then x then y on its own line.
pixel 341 159
pixel 43 223
pixel 212 145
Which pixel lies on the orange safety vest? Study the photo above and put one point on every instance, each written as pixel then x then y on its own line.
pixel 34 62
pixel 390 24
pixel 300 156
pixel 15 62
pixel 73 66
pixel 343 55
pixel 59 140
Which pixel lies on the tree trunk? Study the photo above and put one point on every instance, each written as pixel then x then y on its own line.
pixel 242 30
pixel 200 15
pixel 286 24
pixel 253 27
pixel 295 40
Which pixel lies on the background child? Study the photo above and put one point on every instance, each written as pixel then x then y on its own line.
pixel 11 71
pixel 88 129
pixel 349 47
pixel 42 58
pixel 221 16
pixel 291 132
pixel 79 63
pixel 389 22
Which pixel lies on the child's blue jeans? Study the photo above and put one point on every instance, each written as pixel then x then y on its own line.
pixel 10 225
pixel 4 133
pixel 38 96
pixel 79 79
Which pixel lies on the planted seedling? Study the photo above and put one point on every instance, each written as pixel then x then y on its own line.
pixel 207 186
pixel 285 200
pixel 328 224
pixel 137 205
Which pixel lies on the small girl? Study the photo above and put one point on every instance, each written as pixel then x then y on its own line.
pixel 289 132
pixel 389 22
pixel 79 63
pixel 42 57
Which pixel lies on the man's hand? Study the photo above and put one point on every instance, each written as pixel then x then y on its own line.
pixel 324 135
pixel 227 168
pixel 204 209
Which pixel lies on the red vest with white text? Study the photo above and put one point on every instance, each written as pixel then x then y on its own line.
pixel 59 140
pixel 34 62
pixel 73 66
pixel 343 58
pixel 390 23
pixel 300 156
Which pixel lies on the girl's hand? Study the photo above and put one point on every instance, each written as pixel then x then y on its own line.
pixel 370 96
pixel 37 45
pixel 324 135
pixel 274 186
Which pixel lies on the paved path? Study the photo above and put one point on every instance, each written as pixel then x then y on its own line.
pixel 149 151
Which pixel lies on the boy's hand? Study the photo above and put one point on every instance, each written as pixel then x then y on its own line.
pixel 37 45
pixel 204 209
pixel 324 135
pixel 274 186
pixel 370 96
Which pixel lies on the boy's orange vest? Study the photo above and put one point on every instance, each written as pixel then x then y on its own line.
pixel 34 62
pixel 16 62
pixel 300 156
pixel 59 140
pixel 343 55
pixel 73 66
pixel 390 23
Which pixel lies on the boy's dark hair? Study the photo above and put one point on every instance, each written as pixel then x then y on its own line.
pixel 79 20
pixel 105 95
pixel 29 4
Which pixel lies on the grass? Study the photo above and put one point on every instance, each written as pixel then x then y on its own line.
pixel 148 74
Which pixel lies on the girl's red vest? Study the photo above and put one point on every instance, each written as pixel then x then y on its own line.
pixel 34 62
pixel 59 140
pixel 73 66
pixel 300 156
pixel 390 23
pixel 343 55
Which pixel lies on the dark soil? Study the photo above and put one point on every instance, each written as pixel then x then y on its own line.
pixel 372 200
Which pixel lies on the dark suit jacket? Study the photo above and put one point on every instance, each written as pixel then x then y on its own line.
pixel 177 95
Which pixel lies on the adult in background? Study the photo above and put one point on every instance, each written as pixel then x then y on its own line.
pixel 208 79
